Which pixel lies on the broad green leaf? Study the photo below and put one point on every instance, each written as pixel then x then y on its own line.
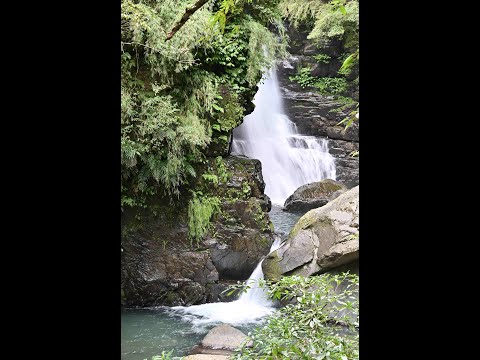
pixel 218 108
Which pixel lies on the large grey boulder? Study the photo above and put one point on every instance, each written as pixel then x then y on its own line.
pixel 323 239
pixel 314 195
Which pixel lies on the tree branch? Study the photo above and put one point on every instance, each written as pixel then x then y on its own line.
pixel 189 11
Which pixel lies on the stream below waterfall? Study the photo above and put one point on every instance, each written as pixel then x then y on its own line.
pixel 147 332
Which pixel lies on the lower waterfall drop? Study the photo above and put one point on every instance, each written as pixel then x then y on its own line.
pixel 251 307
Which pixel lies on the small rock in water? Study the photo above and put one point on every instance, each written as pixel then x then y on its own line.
pixel 224 336
pixel 219 344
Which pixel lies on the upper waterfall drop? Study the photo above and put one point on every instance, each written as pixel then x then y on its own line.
pixel 289 160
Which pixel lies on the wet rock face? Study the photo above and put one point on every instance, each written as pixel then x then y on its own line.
pixel 322 239
pixel 160 265
pixel 156 273
pixel 316 114
pixel 242 232
pixel 314 195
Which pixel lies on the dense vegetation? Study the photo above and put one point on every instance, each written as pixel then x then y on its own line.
pixel 329 20
pixel 335 20
pixel 320 320
pixel 183 96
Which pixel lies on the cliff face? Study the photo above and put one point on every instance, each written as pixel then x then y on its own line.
pixel 316 114
pixel 162 266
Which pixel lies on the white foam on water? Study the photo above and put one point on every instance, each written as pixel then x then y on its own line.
pixel 251 307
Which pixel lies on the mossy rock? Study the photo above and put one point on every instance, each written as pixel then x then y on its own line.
pixel 271 268
pixel 314 195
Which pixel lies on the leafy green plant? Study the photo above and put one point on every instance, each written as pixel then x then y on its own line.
pixel 164 356
pixel 322 58
pixel 246 189
pixel 304 77
pixel 211 177
pixel 324 85
pixel 200 211
pixel 349 119
pixel 320 320
pixel 222 171
pixel 217 174
pixel 348 63
pixel 346 101
pixel 331 85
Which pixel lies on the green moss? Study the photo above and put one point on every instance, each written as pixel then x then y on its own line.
pixel 232 195
pixel 271 267
pixel 246 189
pixel 171 297
pixel 264 241
pixel 303 223
pixel 159 211
pixel 322 58
pixel 260 217
pixel 324 188
pixel 331 186
pixel 129 229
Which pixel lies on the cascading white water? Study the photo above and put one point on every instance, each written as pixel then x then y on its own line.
pixel 257 294
pixel 251 307
pixel 289 160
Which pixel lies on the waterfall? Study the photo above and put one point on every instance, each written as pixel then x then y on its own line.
pixel 251 307
pixel 257 294
pixel 289 160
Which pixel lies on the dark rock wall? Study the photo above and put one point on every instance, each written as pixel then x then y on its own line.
pixel 159 264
